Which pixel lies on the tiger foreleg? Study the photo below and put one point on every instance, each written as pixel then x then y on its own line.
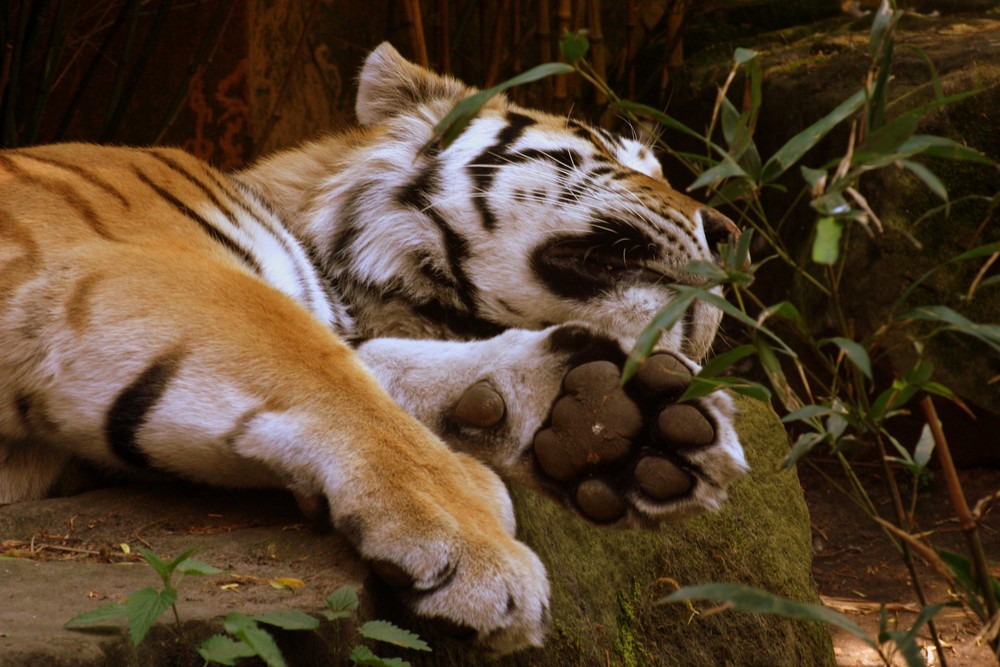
pixel 544 408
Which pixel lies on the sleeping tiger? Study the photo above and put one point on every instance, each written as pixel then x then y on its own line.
pixel 384 330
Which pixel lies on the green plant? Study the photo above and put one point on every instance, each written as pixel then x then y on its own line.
pixel 247 639
pixel 826 385
pixel 146 605
pixel 246 636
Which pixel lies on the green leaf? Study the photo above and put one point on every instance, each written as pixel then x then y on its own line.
pixel 190 566
pixel 826 245
pixel 987 333
pixel 798 145
pixel 857 354
pixel 342 599
pixel 702 386
pixel 922 144
pixel 452 125
pixel 144 607
pixel 246 629
pixel 663 119
pixel 727 168
pixel 742 56
pixel 664 320
pixel 574 46
pixel 720 363
pixel 963 569
pixel 754 600
pixel 99 615
pixel 812 176
pixel 223 650
pixel 929 178
pixel 287 620
pixel 384 631
pixel 362 655
pixel 806 413
pixel 804 444
pixel 161 567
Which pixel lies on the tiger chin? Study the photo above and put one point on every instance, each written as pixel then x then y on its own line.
pixel 386 331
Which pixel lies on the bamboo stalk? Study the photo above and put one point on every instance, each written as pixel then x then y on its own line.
pixel 631 26
pixel 905 548
pixel 965 519
pixel 445 37
pixel 597 55
pixel 414 18
pixel 564 14
pixel 296 55
pixel 496 50
pixel 545 48
pixel 675 42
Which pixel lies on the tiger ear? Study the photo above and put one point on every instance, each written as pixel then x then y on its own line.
pixel 389 84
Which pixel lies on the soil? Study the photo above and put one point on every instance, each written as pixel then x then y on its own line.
pixel 856 568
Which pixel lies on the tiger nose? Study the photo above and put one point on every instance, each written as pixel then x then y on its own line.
pixel 718 229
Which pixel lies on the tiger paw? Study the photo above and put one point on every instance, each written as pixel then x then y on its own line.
pixel 633 453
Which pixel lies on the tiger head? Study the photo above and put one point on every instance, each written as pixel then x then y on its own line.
pixel 527 219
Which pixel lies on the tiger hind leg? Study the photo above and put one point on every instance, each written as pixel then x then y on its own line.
pixel 180 364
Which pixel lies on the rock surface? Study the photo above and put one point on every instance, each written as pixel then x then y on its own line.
pixel 63 556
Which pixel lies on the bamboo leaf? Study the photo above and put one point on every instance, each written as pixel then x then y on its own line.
pixel 855 352
pixel 452 125
pixel 574 46
pixel 804 444
pixel 826 245
pixel 925 446
pixel 929 178
pixel 754 600
pixel 798 145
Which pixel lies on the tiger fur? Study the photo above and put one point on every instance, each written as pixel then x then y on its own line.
pixel 318 321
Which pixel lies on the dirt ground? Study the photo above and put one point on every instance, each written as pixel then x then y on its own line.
pixel 854 565
pixel 856 568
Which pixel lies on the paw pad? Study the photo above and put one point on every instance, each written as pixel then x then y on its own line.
pixel 481 406
pixel 605 443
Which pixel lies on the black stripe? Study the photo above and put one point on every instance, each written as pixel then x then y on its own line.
pixel 217 235
pixel 349 225
pixel 482 169
pixel 65 192
pixel 85 175
pixel 567 158
pixel 461 324
pixel 131 408
pixel 418 195
pixel 267 223
pixel 174 166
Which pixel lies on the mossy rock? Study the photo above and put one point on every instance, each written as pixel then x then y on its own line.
pixel 606 583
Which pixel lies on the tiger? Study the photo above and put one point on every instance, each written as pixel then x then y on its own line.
pixel 390 329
